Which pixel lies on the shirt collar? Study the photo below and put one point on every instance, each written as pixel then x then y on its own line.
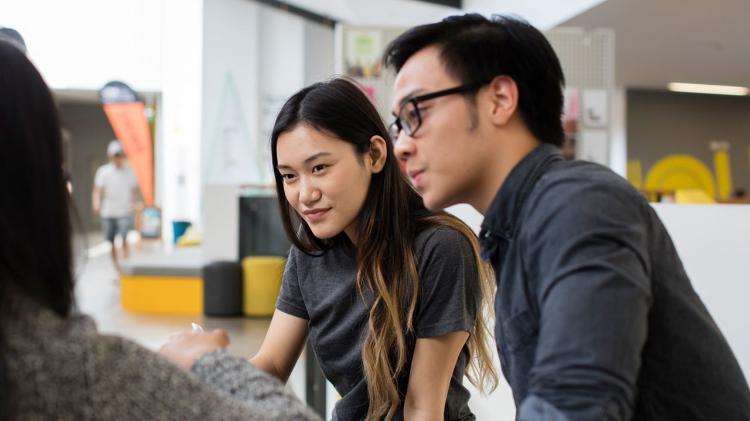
pixel 502 215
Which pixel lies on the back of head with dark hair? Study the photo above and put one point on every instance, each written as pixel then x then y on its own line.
pixel 476 49
pixel 35 228
pixel 12 36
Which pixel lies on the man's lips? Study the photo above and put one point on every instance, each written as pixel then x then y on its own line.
pixel 415 176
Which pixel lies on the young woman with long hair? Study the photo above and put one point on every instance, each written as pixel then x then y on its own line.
pixel 393 297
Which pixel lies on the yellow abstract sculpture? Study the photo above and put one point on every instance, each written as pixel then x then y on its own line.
pixel 676 172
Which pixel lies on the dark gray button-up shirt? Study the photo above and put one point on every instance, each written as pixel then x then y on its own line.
pixel 595 316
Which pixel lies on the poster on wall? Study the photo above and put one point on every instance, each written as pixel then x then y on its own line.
pixel 363 49
pixel 231 156
pixel 595 112
pixel 127 116
pixel 270 106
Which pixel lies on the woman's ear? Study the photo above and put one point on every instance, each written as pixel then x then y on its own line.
pixel 378 153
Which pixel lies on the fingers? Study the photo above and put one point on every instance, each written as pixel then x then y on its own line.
pixel 217 337
pixel 220 337
pixel 184 348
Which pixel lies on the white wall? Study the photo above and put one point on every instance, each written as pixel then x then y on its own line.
pixel 230 119
pixel 714 245
pixel 82 44
pixel 255 57
pixel 230 91
pixel 319 52
pixel 544 14
pixel 281 66
pixel 178 158
pixel 618 135
pixel 468 214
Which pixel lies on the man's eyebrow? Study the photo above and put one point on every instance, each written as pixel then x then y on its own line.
pixel 406 99
pixel 307 160
pixel 410 95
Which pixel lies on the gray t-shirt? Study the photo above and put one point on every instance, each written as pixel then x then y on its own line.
pixel 322 290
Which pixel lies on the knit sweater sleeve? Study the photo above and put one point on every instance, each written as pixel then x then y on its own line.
pixel 131 382
pixel 236 377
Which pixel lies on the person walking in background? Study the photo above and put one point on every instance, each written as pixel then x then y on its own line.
pixel 115 192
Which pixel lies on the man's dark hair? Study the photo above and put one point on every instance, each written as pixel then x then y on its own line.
pixel 476 49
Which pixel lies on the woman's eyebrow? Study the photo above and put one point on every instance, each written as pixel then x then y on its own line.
pixel 306 161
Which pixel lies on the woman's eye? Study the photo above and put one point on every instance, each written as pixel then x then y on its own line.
pixel 287 177
pixel 319 168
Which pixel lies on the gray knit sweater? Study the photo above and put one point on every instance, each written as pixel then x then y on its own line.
pixel 63 369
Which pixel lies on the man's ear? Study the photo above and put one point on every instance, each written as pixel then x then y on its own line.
pixel 378 153
pixel 503 100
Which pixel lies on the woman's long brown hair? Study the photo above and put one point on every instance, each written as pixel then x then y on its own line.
pixel 390 219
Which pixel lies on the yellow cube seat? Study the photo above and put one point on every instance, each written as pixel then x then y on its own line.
pixel 261 284
pixel 152 294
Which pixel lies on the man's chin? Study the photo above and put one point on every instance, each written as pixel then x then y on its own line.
pixel 435 202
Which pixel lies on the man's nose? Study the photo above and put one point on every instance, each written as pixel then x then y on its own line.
pixel 404 148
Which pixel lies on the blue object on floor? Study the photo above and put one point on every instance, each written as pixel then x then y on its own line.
pixel 178 229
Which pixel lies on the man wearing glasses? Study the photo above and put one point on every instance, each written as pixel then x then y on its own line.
pixel 595 316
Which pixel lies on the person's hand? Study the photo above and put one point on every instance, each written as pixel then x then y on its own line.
pixel 184 349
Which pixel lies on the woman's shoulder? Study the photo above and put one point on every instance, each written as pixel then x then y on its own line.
pixel 43 349
pixel 441 240
pixel 38 323
pixel 32 329
pixel 338 250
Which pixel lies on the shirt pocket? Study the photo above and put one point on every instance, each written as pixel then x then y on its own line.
pixel 520 330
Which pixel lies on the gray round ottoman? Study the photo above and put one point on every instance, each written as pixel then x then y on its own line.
pixel 222 288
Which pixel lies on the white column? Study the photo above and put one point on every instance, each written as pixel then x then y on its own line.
pixel 222 91
pixel 230 141
pixel 618 145
pixel 281 67
pixel 179 154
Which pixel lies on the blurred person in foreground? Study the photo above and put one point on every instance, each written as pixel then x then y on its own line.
pixel 53 362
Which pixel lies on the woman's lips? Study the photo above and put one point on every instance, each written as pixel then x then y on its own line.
pixel 314 215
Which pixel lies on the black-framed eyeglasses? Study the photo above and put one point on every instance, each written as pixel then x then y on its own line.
pixel 409 119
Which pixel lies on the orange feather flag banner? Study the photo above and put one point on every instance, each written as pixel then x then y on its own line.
pixel 127 116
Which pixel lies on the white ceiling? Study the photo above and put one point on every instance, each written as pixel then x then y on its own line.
pixel 405 13
pixel 656 41
pixel 660 41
